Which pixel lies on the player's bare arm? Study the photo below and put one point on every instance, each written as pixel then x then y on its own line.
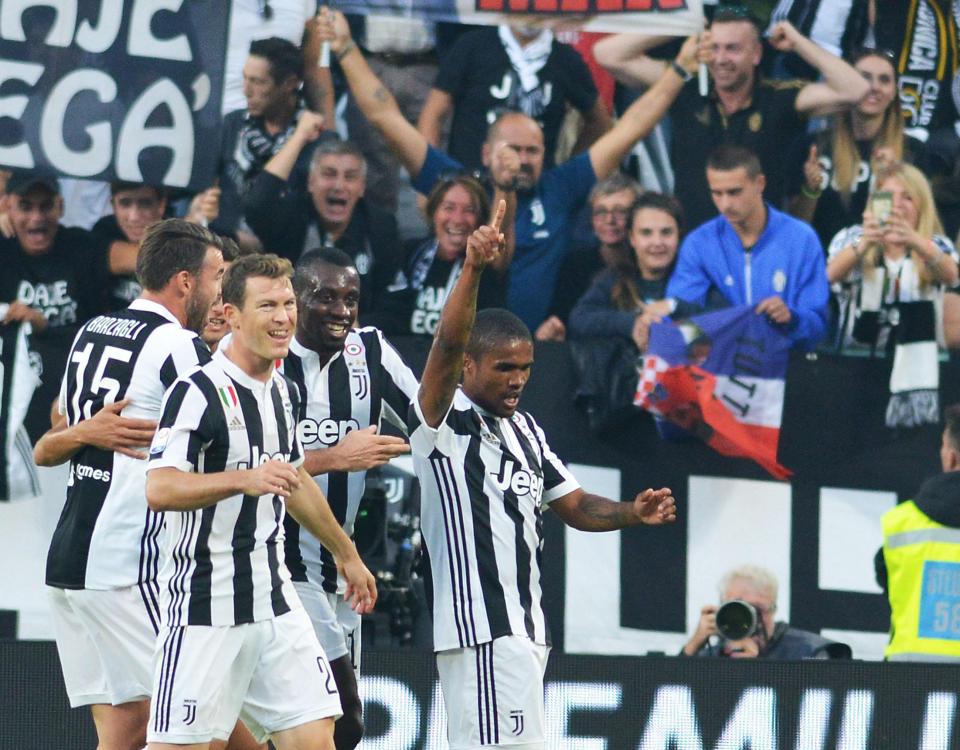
pixel 358 451
pixel 106 429
pixel 445 361
pixel 372 97
pixel 586 512
pixel 169 488
pixel 309 508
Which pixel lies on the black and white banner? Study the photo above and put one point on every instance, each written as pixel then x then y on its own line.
pixel 113 89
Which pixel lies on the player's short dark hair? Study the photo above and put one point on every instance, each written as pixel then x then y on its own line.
pixel 481 201
pixel 330 256
pixel 169 247
pixel 265 265
pixel 282 55
pixel 727 158
pixel 230 249
pixel 951 421
pixel 495 326
pixel 121 186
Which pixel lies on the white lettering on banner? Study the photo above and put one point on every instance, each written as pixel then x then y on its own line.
pixel 814 719
pixel 923 50
pixel 14 106
pixel 564 698
pixel 856 721
pixel 672 721
pixel 141 41
pixel 400 705
pixel 94 159
pixel 938 721
pixel 135 136
pixel 753 724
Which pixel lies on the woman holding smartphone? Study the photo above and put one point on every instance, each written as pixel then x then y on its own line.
pixel 897 255
pixel 836 177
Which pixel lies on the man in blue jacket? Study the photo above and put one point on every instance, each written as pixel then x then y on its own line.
pixel 753 254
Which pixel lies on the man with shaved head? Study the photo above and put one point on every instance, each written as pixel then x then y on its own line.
pixel 547 201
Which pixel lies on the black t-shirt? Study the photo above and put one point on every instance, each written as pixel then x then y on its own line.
pixel 413 304
pixel 577 272
pixel 67 284
pixel 478 75
pixel 767 127
pixel 121 290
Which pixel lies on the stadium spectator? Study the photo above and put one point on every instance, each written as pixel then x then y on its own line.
pixel 135 207
pixel 272 78
pixel 401 52
pixel 830 190
pixel 547 201
pixel 292 20
pixel 610 204
pixel 625 299
pixel 55 278
pixel 328 209
pixel 479 458
pixel 455 208
pixel 918 566
pixel 757 587
pixel 887 261
pixel 742 108
pixel 753 254
pixel 510 68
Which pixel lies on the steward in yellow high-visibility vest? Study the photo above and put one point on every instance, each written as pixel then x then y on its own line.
pixel 921 556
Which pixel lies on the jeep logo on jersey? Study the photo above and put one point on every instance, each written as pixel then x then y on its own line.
pixel 518 480
pixel 259 459
pixel 327 431
pixel 82 471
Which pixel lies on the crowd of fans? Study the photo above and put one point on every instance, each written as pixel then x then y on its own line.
pixel 797 195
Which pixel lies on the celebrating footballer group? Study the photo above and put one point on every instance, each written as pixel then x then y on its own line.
pixel 205 588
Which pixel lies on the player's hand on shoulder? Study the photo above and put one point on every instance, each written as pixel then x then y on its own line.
pixel 108 430
pixel 655 507
pixel 365 449
pixel 271 478
pixel 361 585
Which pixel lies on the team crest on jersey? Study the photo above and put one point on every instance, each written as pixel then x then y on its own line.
pixel 516 717
pixel 190 712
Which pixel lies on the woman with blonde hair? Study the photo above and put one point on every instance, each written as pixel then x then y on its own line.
pixel 890 275
pixel 841 161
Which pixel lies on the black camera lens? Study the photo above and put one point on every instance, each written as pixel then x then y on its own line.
pixel 737 620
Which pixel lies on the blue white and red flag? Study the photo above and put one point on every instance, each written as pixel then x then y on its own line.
pixel 720 376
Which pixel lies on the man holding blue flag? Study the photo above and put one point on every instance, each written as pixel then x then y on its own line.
pixel 753 254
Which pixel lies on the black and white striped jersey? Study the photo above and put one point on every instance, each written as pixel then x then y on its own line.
pixel 106 536
pixel 223 564
pixel 483 482
pixel 19 377
pixel 365 383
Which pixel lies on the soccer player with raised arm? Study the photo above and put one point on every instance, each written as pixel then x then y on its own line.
pixel 486 473
pixel 349 380
pixel 226 465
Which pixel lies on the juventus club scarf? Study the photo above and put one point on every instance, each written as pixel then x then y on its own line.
pixel 255 146
pixel 922 35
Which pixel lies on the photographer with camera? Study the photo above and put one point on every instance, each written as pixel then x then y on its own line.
pixel 743 626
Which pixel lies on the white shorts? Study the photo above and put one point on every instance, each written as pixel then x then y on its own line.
pixel 336 624
pixel 272 674
pixel 493 693
pixel 105 640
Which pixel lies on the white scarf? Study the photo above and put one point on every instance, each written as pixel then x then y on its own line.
pixel 529 60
